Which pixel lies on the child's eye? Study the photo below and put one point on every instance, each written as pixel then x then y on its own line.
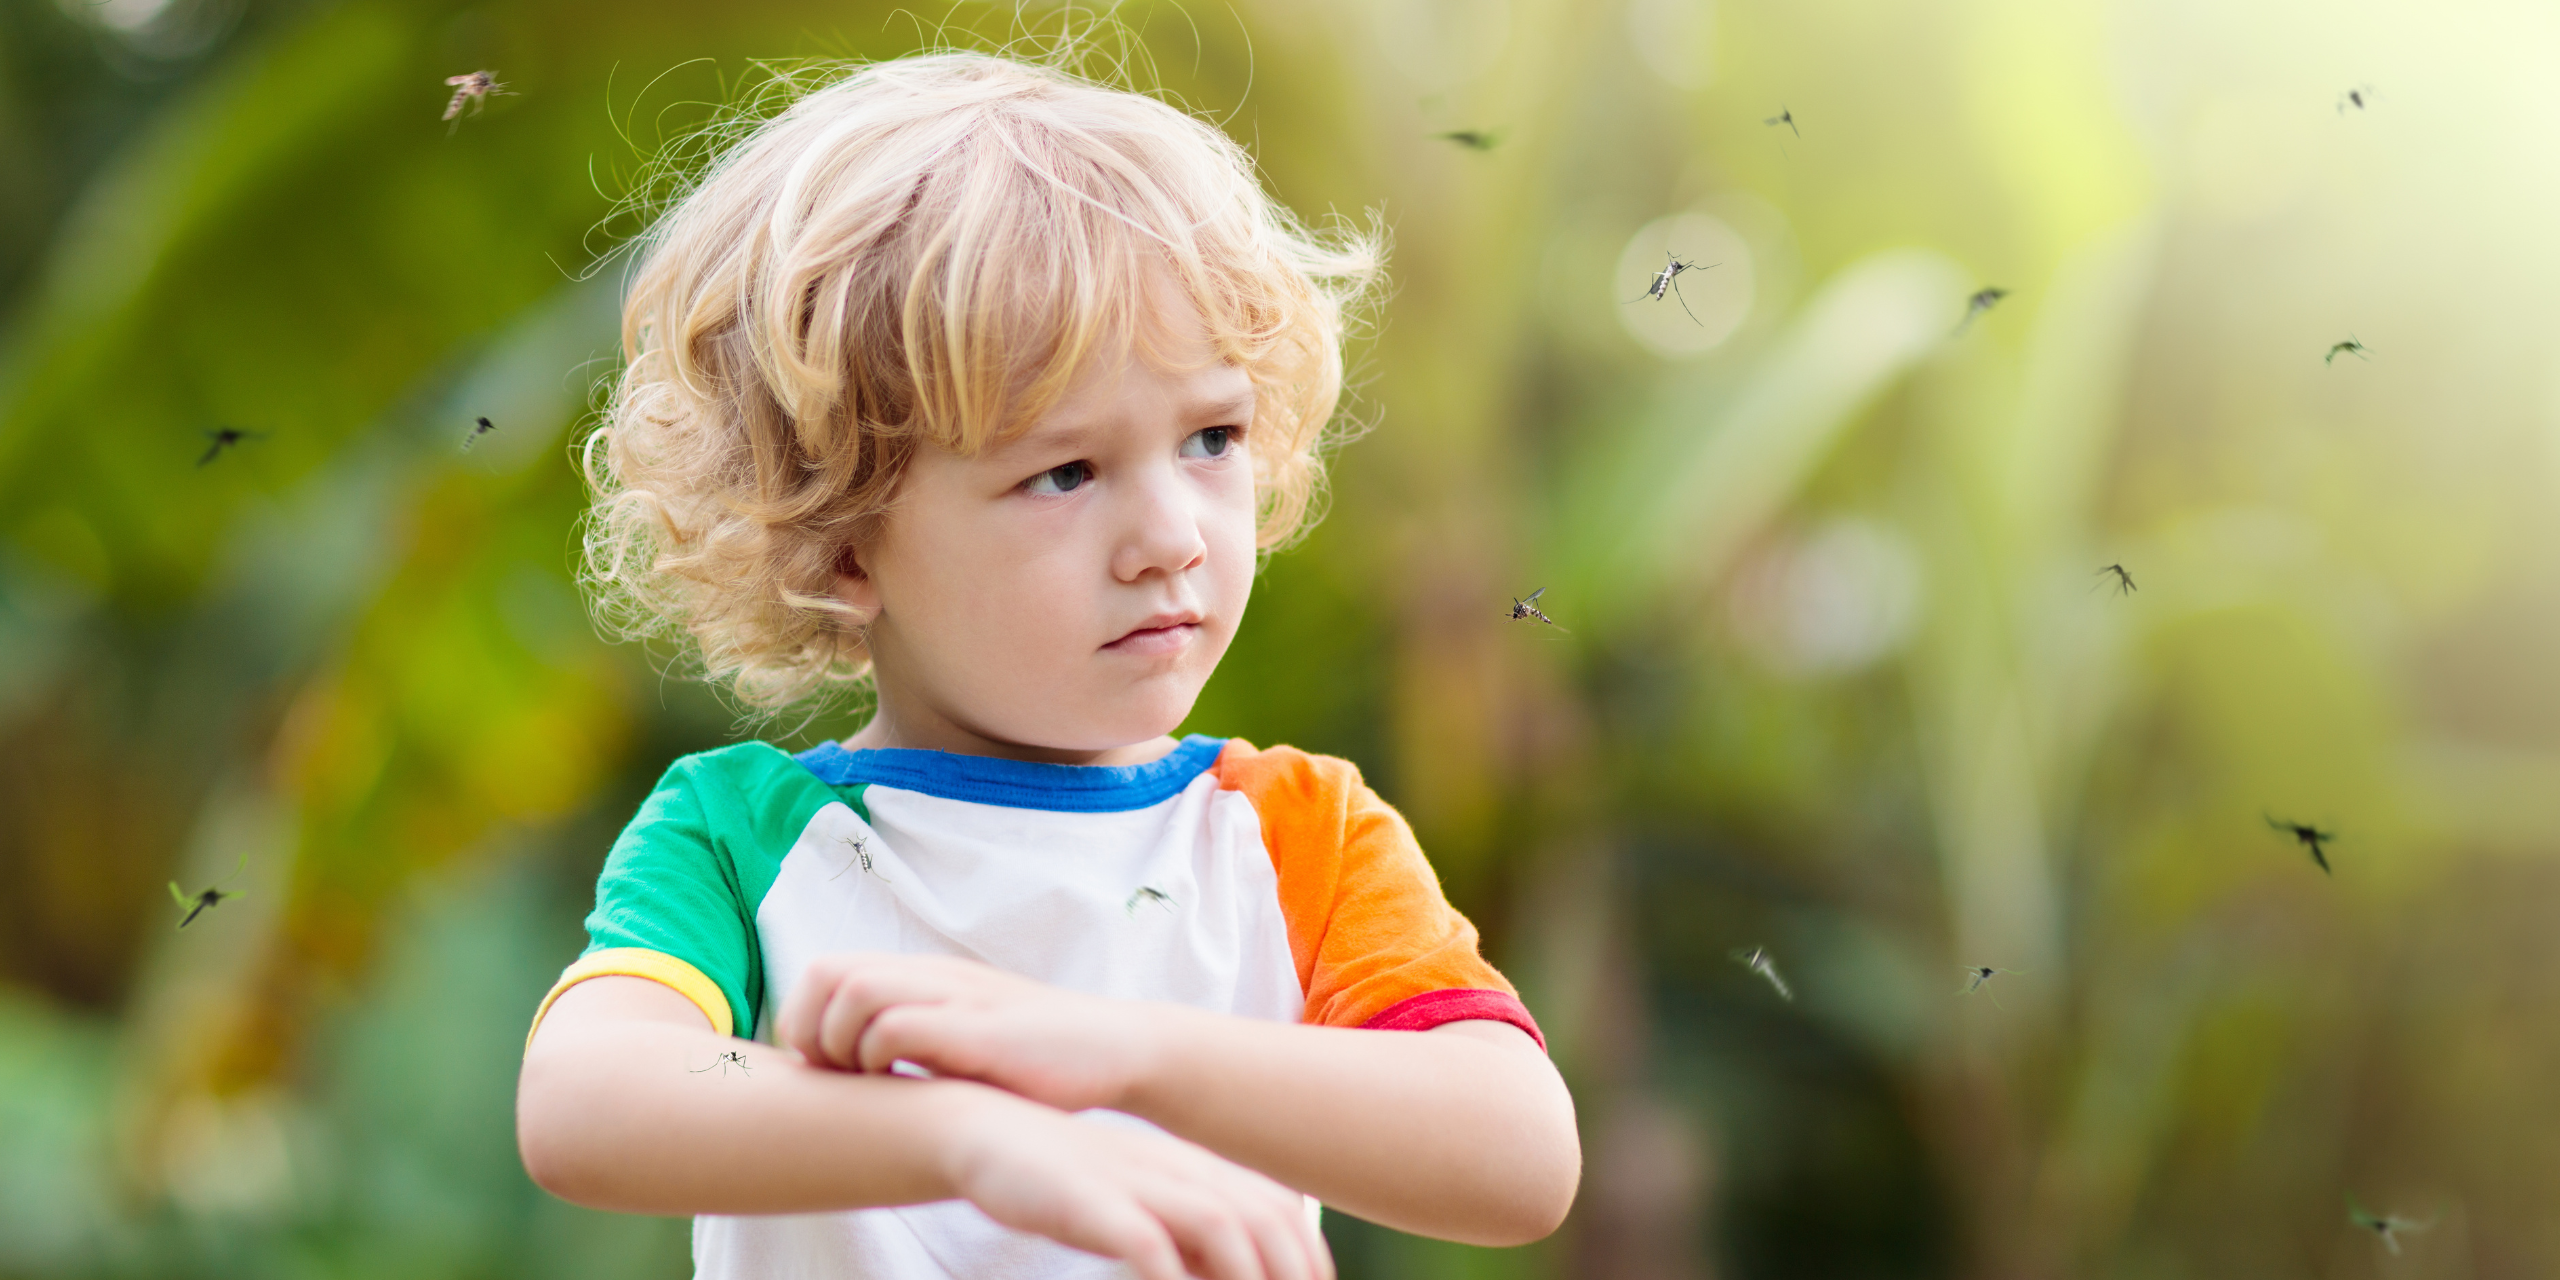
pixel 1060 479
pixel 1212 443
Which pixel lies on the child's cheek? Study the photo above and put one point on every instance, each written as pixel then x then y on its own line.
pixel 1231 532
pixel 1228 589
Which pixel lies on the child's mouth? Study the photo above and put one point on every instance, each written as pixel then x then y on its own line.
pixel 1156 639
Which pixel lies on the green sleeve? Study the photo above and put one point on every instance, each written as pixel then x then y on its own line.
pixel 685 877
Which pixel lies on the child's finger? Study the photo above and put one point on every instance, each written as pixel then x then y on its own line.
pixel 802 1025
pixel 915 1032
pixel 852 1000
pixel 1233 1221
pixel 1157 1261
pixel 797 1026
pixel 1125 1231
pixel 1309 1231
pixel 802 1018
pixel 866 987
pixel 849 1010
pixel 934 1036
pixel 1277 1248
pixel 1212 1232
pixel 1291 1246
pixel 1319 1249
pixel 1291 1249
pixel 1291 1243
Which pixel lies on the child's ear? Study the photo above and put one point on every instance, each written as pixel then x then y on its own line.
pixel 855 588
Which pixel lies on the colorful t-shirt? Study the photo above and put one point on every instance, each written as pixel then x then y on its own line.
pixel 1265 884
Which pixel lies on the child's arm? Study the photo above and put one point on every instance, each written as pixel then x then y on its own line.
pixel 1464 1132
pixel 624 1104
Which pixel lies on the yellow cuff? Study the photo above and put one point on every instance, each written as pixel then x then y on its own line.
pixel 640 962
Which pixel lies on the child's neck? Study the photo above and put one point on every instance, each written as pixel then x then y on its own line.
pixel 897 723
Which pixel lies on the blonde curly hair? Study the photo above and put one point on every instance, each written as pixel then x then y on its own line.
pixel 924 250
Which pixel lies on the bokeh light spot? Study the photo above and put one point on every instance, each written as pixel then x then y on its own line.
pixel 1709 304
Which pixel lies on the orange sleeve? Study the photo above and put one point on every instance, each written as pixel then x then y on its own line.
pixel 1376 943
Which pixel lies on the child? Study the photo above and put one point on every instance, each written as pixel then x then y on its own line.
pixel 992 383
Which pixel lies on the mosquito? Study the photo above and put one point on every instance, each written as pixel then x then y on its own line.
pixel 861 857
pixel 1148 893
pixel 1472 139
pixel 2311 837
pixel 2351 347
pixel 2385 1227
pixel 1979 975
pixel 483 429
pixel 211 897
pixel 225 438
pixel 2355 97
pixel 1981 301
pixel 1784 117
pixel 473 88
pixel 1666 283
pixel 1757 960
pixel 723 1062
pixel 2124 579
pixel 1523 610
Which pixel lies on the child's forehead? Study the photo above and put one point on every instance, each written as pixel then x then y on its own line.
pixel 1127 395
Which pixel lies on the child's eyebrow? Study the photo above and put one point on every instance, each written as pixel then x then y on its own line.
pixel 1076 434
pixel 1239 405
pixel 1051 437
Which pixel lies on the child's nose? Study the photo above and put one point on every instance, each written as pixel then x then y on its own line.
pixel 1161 531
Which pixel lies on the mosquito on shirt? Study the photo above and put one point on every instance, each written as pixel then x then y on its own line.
pixel 861 857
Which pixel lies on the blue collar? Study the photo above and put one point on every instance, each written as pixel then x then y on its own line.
pixel 1017 784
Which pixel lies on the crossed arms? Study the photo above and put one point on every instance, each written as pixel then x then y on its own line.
pixel 1463 1132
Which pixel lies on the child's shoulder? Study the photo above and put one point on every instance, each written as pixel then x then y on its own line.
pixel 751 772
pixel 1300 792
pixel 1280 767
pixel 738 760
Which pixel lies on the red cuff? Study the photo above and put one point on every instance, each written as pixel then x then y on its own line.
pixel 1457 1004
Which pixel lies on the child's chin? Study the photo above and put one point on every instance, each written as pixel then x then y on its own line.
pixel 1142 715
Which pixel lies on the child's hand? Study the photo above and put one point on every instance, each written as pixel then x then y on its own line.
pixel 1167 1208
pixel 862 1011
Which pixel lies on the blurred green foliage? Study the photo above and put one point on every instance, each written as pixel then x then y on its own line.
pixel 1837 674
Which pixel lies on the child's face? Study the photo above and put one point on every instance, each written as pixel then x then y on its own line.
pixel 1069 590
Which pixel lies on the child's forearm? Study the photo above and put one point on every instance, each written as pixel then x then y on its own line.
pixel 644 1116
pixel 624 1104
pixel 1464 1132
